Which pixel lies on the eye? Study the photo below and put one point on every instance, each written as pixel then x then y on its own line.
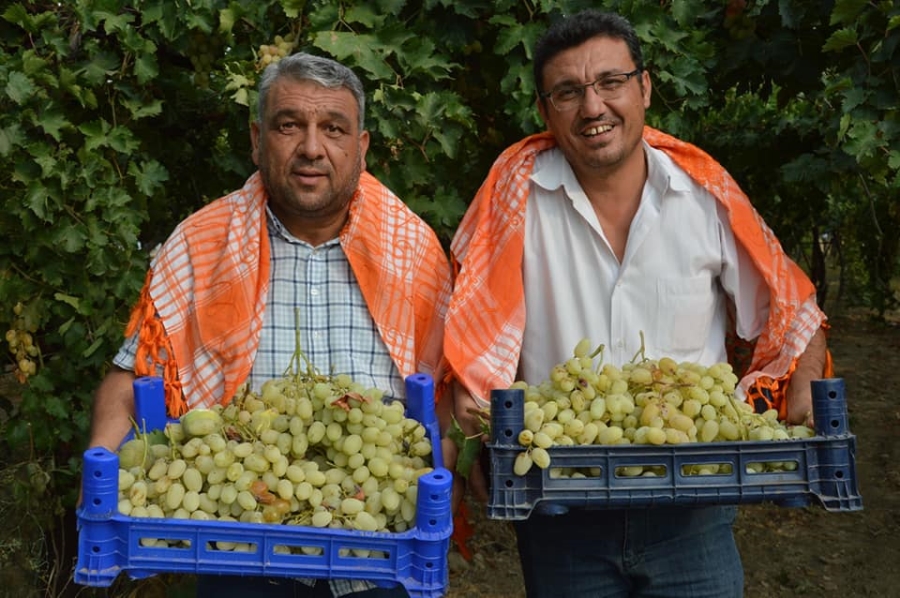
pixel 286 127
pixel 333 130
pixel 612 82
pixel 566 94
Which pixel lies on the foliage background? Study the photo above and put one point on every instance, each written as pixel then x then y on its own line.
pixel 120 117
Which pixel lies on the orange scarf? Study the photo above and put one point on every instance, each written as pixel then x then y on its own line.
pixel 486 318
pixel 209 283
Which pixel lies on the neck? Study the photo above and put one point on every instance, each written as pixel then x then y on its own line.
pixel 616 190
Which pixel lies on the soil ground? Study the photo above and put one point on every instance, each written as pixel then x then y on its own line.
pixel 787 552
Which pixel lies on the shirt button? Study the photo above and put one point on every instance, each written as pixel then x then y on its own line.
pixel 314 292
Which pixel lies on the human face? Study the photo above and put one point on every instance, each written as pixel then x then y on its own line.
pixel 310 153
pixel 600 137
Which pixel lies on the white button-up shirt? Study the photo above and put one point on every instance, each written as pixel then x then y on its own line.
pixel 680 271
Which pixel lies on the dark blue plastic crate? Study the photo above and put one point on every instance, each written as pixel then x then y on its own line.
pixel 110 543
pixel 825 470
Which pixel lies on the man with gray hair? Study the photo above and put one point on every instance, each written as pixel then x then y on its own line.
pixel 310 233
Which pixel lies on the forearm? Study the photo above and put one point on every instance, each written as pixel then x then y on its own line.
pixel 810 366
pixel 113 410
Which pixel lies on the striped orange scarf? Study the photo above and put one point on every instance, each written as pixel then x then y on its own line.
pixel 486 318
pixel 209 282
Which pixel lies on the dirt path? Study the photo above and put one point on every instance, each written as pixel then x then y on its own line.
pixel 788 552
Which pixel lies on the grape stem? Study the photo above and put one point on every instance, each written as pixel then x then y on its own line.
pixel 640 352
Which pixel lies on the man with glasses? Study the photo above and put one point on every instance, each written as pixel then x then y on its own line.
pixel 604 228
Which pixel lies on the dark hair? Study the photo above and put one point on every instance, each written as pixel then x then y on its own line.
pixel 573 30
pixel 324 71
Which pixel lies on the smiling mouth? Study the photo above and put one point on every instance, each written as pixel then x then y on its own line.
pixel 597 130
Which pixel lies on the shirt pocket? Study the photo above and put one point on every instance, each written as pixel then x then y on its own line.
pixel 685 311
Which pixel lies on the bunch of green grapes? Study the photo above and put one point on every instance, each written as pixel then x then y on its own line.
pixel 22 346
pixel 644 402
pixel 269 53
pixel 308 450
pixel 203 51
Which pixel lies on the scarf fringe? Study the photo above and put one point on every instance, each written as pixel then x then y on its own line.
pixel 154 350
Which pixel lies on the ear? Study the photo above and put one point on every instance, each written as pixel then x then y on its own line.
pixel 646 88
pixel 363 148
pixel 254 141
pixel 542 108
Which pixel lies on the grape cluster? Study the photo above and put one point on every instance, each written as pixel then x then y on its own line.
pixel 22 346
pixel 644 402
pixel 307 450
pixel 269 53
pixel 203 49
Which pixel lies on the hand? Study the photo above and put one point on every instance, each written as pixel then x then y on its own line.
pixel 465 412
pixel 799 406
pixel 810 366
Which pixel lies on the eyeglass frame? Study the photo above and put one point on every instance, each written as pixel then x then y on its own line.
pixel 582 88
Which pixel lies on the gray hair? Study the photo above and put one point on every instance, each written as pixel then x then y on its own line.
pixel 307 67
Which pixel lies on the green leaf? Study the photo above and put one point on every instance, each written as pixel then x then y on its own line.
pixel 10 137
pixel 292 8
pixel 365 50
pixel 95 133
pixel 70 239
pixel 68 300
pixel 841 39
pixel 56 407
pixel 93 348
pixel 113 22
pixel 19 87
pixel 140 108
pixel 149 176
pixel 53 121
pixel 226 20
pixel 145 68
pixel 469 449
pixel 846 11
pixel 36 199
pixel 123 140
pixel 363 14
pixel 101 66
pixel 894 160
pixel 18 15
pixel 160 11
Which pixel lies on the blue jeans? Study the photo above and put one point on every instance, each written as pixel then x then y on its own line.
pixel 234 586
pixel 663 552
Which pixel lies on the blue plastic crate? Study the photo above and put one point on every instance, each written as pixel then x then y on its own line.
pixel 825 470
pixel 110 543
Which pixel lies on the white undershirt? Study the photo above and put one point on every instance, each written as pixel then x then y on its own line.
pixel 681 265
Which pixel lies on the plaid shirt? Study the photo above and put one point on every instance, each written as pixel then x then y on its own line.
pixel 314 292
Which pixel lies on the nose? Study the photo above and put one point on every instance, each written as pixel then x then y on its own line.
pixel 592 103
pixel 308 144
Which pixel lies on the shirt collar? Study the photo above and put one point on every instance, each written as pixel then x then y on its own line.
pixel 552 171
pixel 276 228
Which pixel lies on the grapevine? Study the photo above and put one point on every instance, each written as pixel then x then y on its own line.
pixel 645 401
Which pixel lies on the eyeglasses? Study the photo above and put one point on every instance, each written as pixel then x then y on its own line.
pixel 608 87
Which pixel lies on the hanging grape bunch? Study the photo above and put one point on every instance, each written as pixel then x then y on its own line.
pixel 308 450
pixel 269 53
pixel 21 344
pixel 203 51
pixel 644 402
